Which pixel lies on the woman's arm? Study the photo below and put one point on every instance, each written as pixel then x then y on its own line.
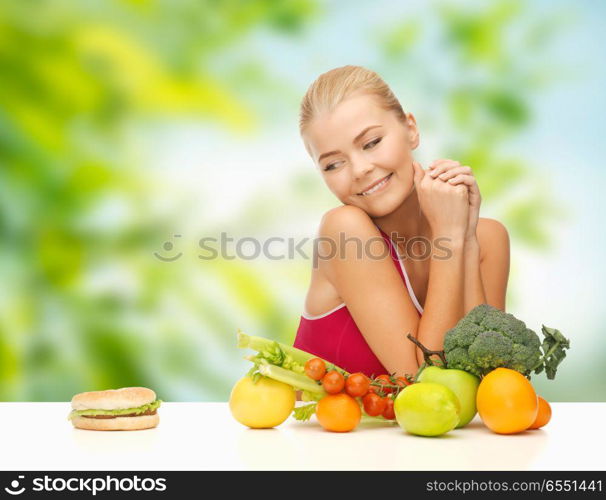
pixel 494 262
pixel 354 257
pixel 446 207
pixel 444 301
pixel 474 286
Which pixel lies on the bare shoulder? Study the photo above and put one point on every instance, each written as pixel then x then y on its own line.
pixel 491 234
pixel 348 239
pixel 333 258
pixel 347 219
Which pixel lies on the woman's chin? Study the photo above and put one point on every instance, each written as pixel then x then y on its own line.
pixel 385 204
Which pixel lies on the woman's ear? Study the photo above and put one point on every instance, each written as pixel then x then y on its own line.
pixel 413 131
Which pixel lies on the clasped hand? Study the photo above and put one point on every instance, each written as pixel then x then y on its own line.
pixel 449 197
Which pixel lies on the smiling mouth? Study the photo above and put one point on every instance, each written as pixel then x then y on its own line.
pixel 376 187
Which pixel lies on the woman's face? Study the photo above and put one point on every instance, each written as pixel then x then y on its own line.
pixel 364 153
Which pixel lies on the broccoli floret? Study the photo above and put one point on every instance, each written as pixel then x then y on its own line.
pixel 488 338
pixel 532 339
pixel 477 314
pixel 489 350
pixel 507 324
pixel 461 335
pixel 524 356
pixel 450 341
pixel 459 358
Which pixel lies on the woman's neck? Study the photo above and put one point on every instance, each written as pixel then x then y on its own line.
pixel 407 221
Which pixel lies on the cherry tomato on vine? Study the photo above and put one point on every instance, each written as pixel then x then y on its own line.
pixel 374 405
pixel 384 380
pixel 403 382
pixel 357 385
pixel 315 368
pixel 388 412
pixel 333 382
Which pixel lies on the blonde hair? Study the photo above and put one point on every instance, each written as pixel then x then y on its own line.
pixel 336 85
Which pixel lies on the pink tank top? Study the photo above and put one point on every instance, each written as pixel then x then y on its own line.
pixel 335 337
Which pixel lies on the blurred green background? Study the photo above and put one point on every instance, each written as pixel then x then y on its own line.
pixel 125 123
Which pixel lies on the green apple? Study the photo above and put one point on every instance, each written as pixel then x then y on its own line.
pixel 463 384
pixel 427 409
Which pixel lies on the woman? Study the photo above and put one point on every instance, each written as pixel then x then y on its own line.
pixel 360 306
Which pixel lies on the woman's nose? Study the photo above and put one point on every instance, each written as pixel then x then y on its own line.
pixel 361 168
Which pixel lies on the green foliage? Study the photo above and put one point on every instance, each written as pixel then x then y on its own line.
pixel 305 412
pixel 400 39
pixel 554 345
pixel 82 310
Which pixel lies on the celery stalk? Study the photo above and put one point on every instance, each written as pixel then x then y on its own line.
pixel 301 382
pixel 260 344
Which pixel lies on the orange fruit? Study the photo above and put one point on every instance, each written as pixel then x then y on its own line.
pixel 338 413
pixel 506 401
pixel 543 415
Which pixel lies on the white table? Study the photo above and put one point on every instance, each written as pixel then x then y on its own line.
pixel 204 436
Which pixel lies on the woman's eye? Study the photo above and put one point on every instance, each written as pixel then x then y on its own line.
pixel 373 143
pixel 332 166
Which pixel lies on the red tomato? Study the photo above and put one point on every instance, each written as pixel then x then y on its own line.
pixel 333 382
pixel 388 412
pixel 374 405
pixel 384 380
pixel 357 385
pixel 403 382
pixel 315 368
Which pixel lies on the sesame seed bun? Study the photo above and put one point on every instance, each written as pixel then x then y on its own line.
pixel 113 399
pixel 117 424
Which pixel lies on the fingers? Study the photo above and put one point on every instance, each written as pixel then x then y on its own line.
pixel 466 179
pixel 440 166
pixel 470 182
pixel 418 171
pixel 439 161
pixel 453 172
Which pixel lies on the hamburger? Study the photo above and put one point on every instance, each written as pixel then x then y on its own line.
pixel 126 409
